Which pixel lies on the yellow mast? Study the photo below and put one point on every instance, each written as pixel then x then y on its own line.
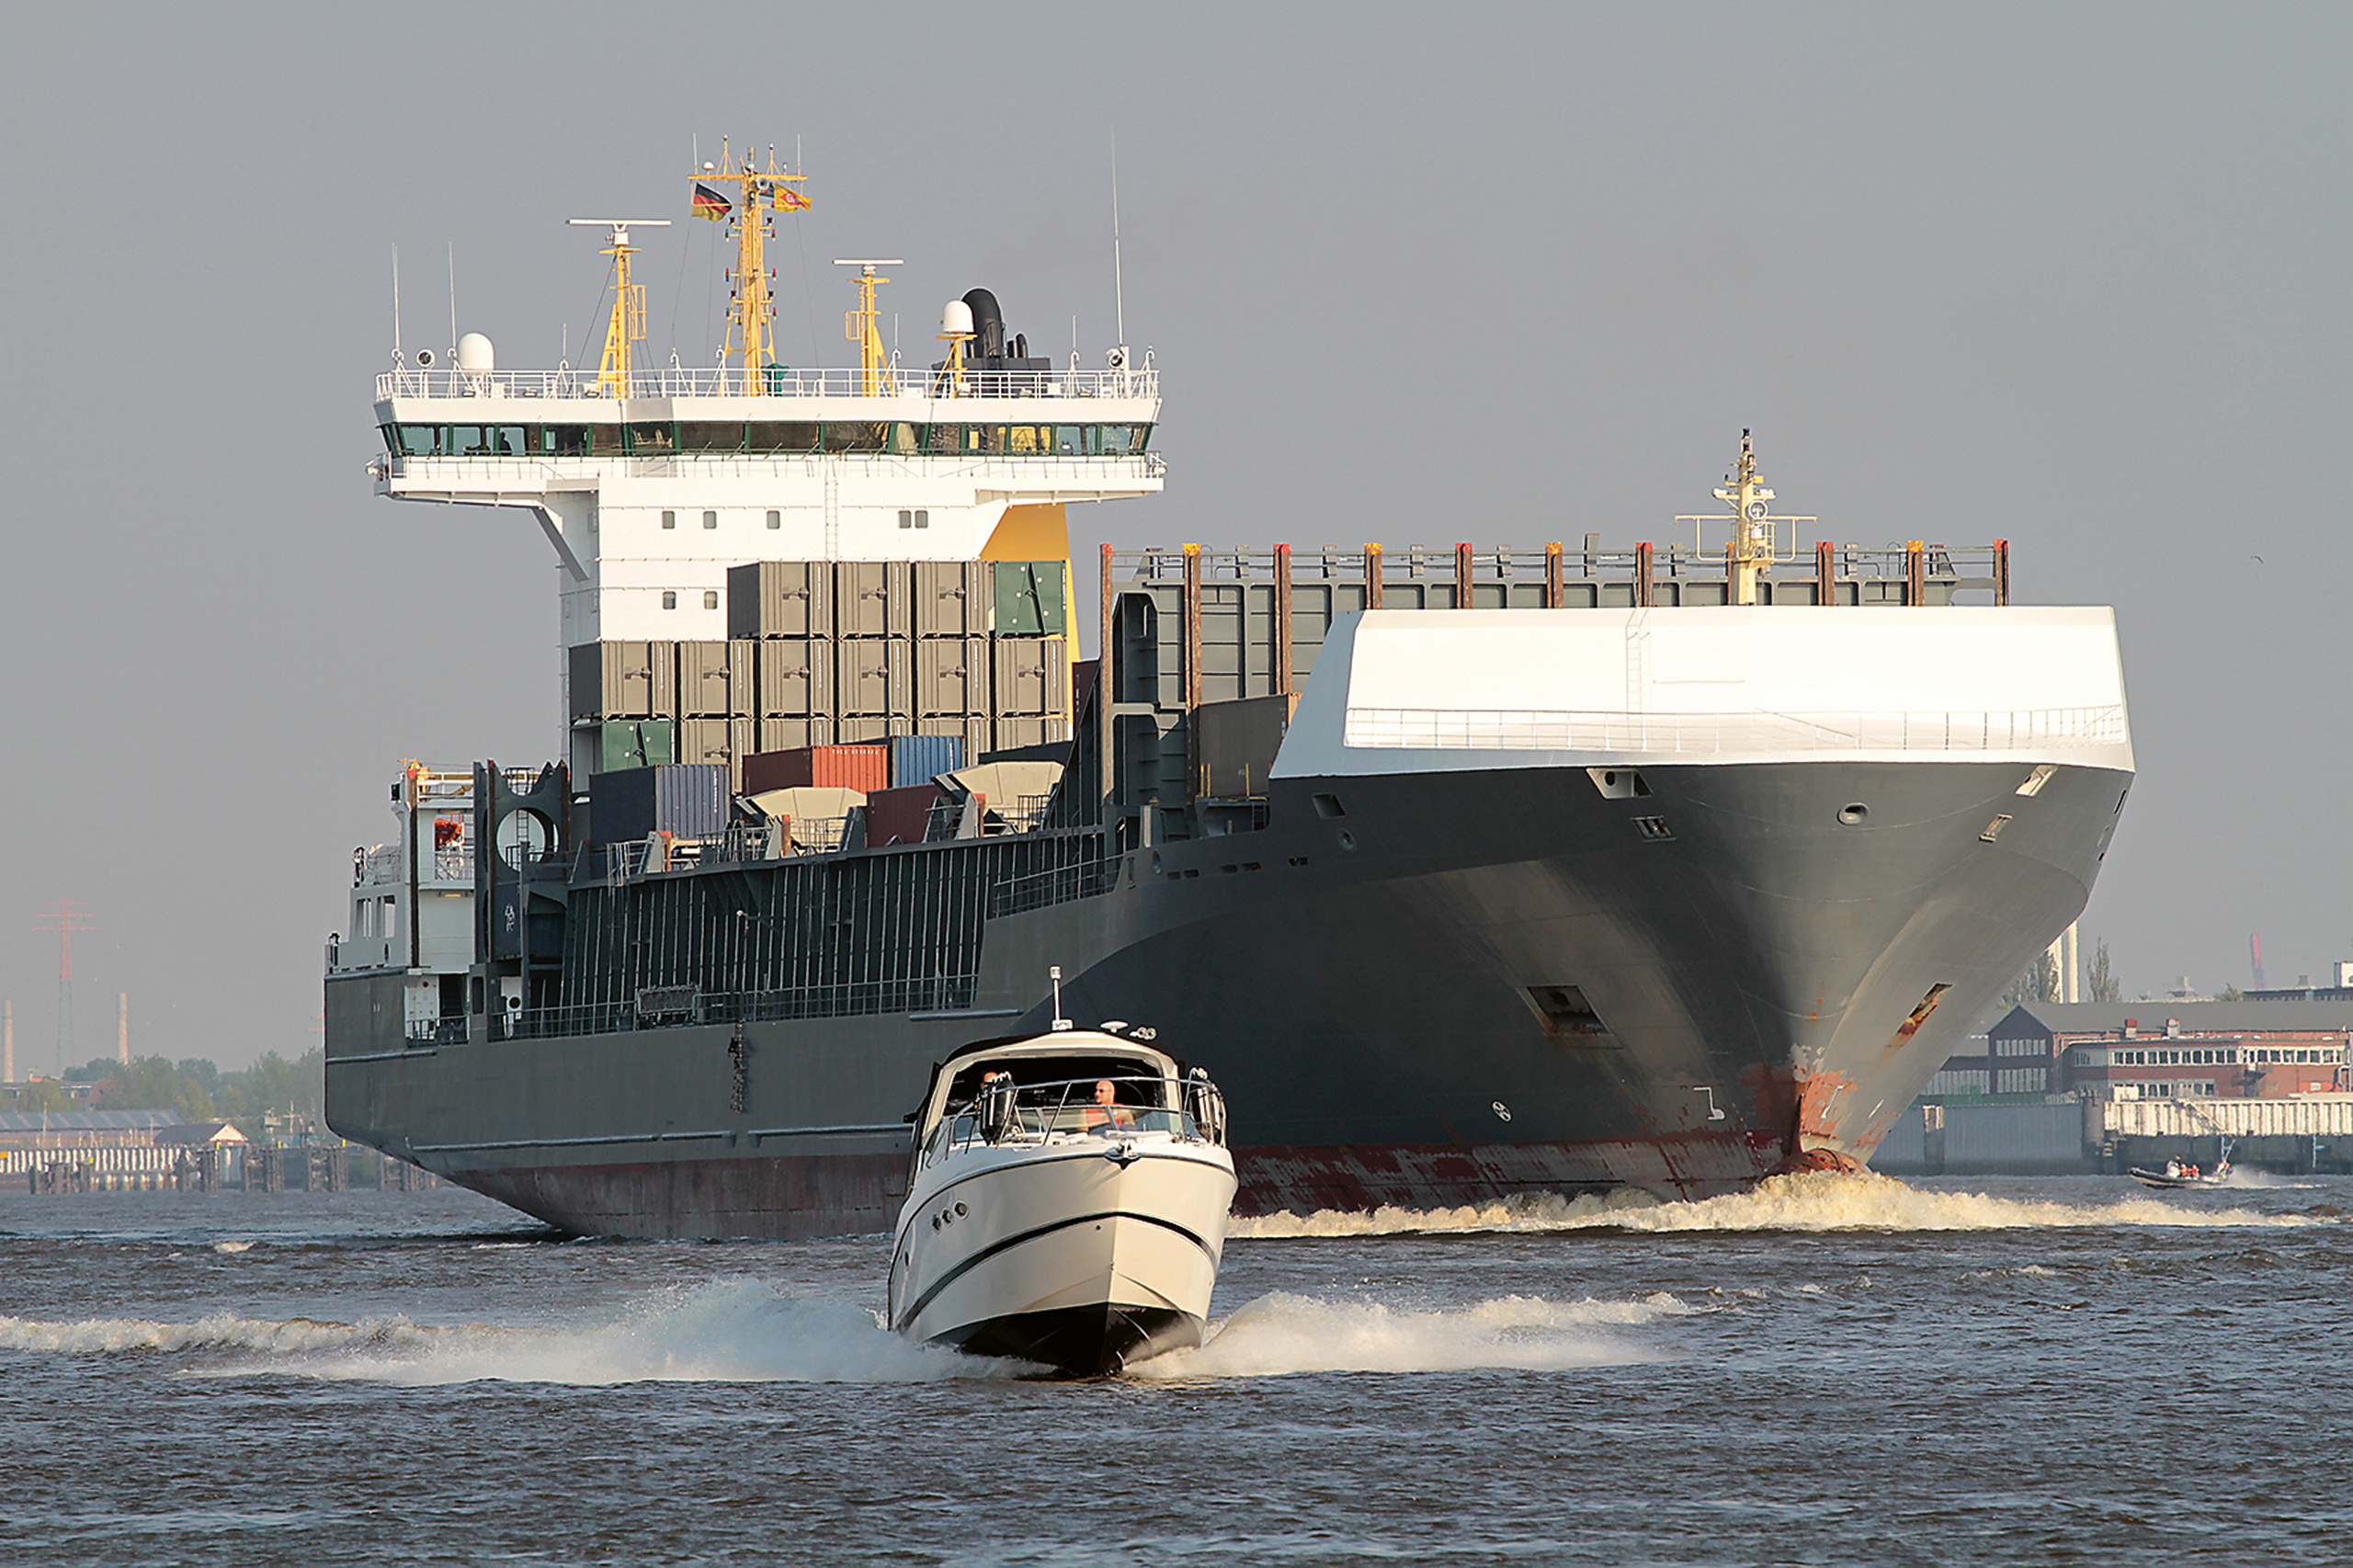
pixel 759 192
pixel 1751 551
pixel 861 327
pixel 626 324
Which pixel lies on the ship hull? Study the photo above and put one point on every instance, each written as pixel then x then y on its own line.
pixel 1422 989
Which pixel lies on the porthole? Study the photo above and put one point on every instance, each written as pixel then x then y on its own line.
pixel 1348 839
pixel 1853 814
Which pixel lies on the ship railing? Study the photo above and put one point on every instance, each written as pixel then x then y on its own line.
pixel 435 1032
pixel 1421 728
pixel 1055 884
pixel 922 994
pixel 1961 565
pixel 775 381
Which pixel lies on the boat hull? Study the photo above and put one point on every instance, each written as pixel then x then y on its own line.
pixel 1083 1255
pixel 1370 990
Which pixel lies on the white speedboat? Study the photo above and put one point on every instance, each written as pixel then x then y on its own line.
pixel 1067 1203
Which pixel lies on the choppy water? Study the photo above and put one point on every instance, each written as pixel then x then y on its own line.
pixel 1830 1370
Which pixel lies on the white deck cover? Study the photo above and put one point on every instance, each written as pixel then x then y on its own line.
pixel 1402 691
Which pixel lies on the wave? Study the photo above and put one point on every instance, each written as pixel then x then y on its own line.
pixel 743 1331
pixel 1284 1333
pixel 1812 1200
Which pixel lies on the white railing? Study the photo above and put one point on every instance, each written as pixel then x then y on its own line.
pixel 776 381
pixel 1423 729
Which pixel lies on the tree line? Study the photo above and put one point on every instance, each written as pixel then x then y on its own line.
pixel 195 1087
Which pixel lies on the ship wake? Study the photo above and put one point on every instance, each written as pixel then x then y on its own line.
pixel 1813 1200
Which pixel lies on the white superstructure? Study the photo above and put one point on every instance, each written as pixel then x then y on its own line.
pixel 650 483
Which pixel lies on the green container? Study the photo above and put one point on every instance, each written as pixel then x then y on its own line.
pixel 1030 599
pixel 635 742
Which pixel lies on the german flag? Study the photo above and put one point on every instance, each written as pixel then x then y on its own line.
pixel 791 200
pixel 709 204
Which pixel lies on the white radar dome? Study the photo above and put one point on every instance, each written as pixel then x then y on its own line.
pixel 956 321
pixel 474 355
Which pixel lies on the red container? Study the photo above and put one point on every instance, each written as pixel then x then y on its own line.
pixel 901 815
pixel 864 769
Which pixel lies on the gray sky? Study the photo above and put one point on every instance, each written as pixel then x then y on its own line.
pixel 2069 275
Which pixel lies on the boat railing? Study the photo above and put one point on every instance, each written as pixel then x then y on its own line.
pixel 779 381
pixel 1055 884
pixel 1070 1109
pixel 1426 729
pixel 924 994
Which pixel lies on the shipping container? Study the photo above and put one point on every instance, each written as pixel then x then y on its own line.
pixel 1032 677
pixel 721 741
pixel 790 735
pixel 1028 599
pixel 622 681
pixel 796 678
pixel 952 597
pixel 872 598
pixel 1234 745
pixel 715 679
pixel 873 678
pixel 780 598
pixel 862 767
pixel 687 800
pixel 612 744
pixel 952 677
pixel 917 759
pixel 1018 733
pixel 858 730
pixel 900 815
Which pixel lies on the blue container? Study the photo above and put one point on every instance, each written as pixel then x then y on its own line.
pixel 918 759
pixel 687 800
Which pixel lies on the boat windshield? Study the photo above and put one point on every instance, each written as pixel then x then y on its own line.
pixel 1092 1107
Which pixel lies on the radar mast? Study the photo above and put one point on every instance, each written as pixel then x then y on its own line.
pixel 760 192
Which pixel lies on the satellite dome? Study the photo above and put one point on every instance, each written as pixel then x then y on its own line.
pixel 474 355
pixel 956 321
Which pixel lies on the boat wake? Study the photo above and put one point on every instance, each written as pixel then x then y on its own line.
pixel 737 1330
pixel 1284 1333
pixel 742 1330
pixel 1812 1200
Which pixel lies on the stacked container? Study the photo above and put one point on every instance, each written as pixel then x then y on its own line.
pixel 865 768
pixel 687 800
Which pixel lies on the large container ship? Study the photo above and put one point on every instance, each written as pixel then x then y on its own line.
pixel 1467 873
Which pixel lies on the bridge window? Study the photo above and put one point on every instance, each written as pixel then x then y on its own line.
pixel 564 440
pixel 653 437
pixel 699 435
pixel 465 441
pixel 508 440
pixel 852 435
pixel 791 435
pixel 413 440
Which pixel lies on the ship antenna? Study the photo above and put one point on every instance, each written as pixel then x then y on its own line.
pixel 453 301
pixel 396 304
pixel 1056 972
pixel 1119 290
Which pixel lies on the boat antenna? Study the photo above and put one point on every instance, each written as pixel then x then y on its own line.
pixel 1056 972
pixel 396 304
pixel 453 301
